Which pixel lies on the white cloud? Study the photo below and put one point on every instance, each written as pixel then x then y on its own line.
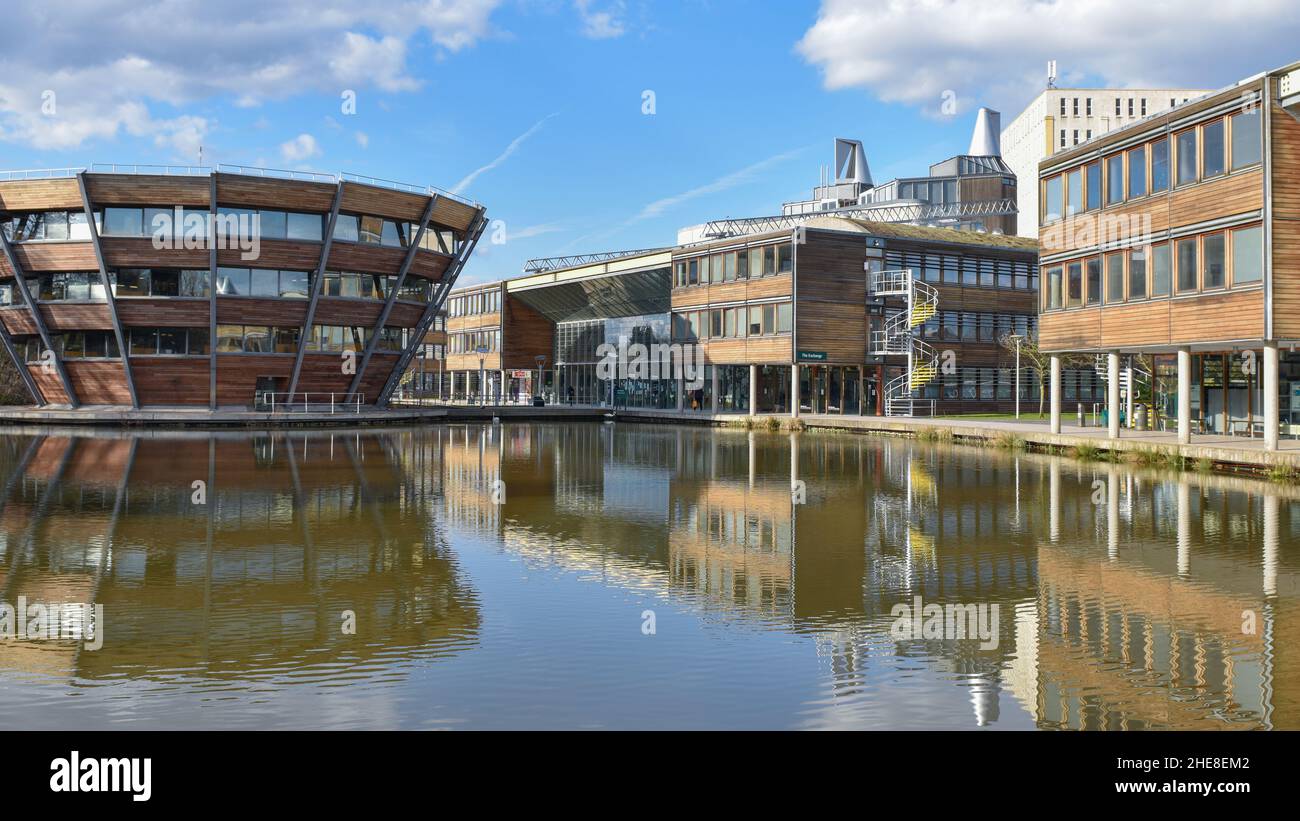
pixel 530 231
pixel 363 139
pixel 106 60
pixel 300 149
pixel 995 53
pixel 502 157
pixel 723 183
pixel 601 24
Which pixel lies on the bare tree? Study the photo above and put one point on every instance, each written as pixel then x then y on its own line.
pixel 1039 362
pixel 13 391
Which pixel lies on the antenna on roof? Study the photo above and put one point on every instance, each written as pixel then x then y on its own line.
pixel 1051 74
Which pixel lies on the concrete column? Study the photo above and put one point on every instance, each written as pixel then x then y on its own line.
pixel 713 395
pixel 794 391
pixel 451 387
pixel 1184 396
pixel 1128 400
pixel 681 394
pixel 1112 393
pixel 753 390
pixel 1270 396
pixel 1054 394
pixel 501 387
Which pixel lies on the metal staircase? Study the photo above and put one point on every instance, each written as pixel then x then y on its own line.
pixel 1141 378
pixel 899 338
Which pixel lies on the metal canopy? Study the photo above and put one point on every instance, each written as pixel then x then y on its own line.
pixel 623 294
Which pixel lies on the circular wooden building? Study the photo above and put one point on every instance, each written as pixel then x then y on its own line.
pixel 148 287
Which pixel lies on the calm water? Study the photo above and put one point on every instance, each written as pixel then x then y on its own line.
pixel 1125 598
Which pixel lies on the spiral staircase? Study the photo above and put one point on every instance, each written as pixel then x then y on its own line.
pixel 899 338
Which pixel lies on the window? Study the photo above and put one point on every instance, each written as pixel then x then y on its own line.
pixel 1094 280
pixel 1052 200
pixel 1161 269
pixel 1074 273
pixel 346 228
pixel 784 317
pixel 1062 106
pixel 303 226
pixel 1076 106
pixel 1137 273
pixel 1053 288
pixel 1212 251
pixel 1114 179
pixel 1186 145
pixel 1246 138
pixel 1074 192
pixel 1160 165
pixel 371 229
pixel 233 282
pixel 1114 278
pixel 1089 106
pixel 1212 149
pixel 1094 186
pixel 756 263
pixel 264 283
pixel 1062 138
pixel 124 222
pixel 295 284
pixel 756 319
pixel 1137 173
pixel 1247 255
pixel 1187 258
pixel 785 258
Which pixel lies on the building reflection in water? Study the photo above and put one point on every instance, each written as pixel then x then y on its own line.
pixel 254 583
pixel 1122 593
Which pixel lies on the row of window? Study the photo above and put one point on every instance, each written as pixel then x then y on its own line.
pixel 479 302
pixel 38 225
pixel 733 323
pixel 1119 106
pixel 1207 262
pixel 75 345
pixel 174 282
pixel 352 338
pixel 1198 154
pixel 967 326
pixel 474 342
pixel 256 339
pixel 751 263
pixel 194 341
pixel 953 269
pixel 999 383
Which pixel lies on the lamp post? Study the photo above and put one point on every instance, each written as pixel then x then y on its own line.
pixel 1016 338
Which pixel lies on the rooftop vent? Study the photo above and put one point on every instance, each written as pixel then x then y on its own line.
pixel 984 141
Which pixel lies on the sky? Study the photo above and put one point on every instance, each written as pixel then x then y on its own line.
pixel 582 125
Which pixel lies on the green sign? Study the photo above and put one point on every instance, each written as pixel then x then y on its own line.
pixel 812 356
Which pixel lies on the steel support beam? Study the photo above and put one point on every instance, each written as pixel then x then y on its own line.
pixel 435 304
pixel 108 290
pixel 316 285
pixel 20 280
pixel 392 297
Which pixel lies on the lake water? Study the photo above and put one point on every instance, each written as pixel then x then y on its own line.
pixel 633 576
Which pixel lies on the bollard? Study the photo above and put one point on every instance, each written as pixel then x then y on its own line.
pixel 1083 420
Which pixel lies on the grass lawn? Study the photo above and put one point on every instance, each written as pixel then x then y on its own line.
pixel 1025 416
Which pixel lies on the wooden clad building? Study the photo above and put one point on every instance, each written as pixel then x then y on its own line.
pixel 1172 246
pixel 222 290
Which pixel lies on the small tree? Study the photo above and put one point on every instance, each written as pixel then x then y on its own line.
pixel 1038 361
pixel 13 391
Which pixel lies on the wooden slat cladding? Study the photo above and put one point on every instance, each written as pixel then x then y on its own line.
pixel 237 376
pixel 453 214
pixel 1284 157
pixel 146 189
pixel 474 322
pixel 365 258
pixel 323 373
pixel 163 313
pixel 6 272
pixel 35 257
pixel 1141 323
pixel 761 350
pixel 377 373
pixel 1074 330
pixel 405 315
pixel 1233 195
pixel 237 191
pixel 49 384
pixel 99 383
pixel 273 253
pixel 131 252
pixel 382 202
pixel 18 321
pixel 702 296
pixel 831 296
pixel 469 362
pixel 429 264
pixel 251 311
pixel 1226 316
pixel 162 381
pixel 340 311
pixel 40 195
pixel 527 334
pixel 72 316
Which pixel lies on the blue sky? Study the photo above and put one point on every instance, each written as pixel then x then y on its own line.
pixel 534 107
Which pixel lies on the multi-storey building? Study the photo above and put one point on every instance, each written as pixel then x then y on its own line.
pixel 492 345
pixel 1175 238
pixel 221 289
pixel 1061 118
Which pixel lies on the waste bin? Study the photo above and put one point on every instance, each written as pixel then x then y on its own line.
pixel 1140 417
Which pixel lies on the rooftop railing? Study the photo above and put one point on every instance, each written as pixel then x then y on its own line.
pixel 155 170
pixel 40 174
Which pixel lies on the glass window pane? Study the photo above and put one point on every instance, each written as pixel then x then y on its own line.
pixel 1094 185
pixel 295 284
pixel 304 226
pixel 233 281
pixel 265 282
pixel 1074 192
pixel 165 282
pixel 1114 277
pixel 144 341
pixel 257 339
pixel 1187 273
pixel 1246 145
pixel 1186 143
pixel 345 228
pixel 171 341
pixel 1247 255
pixel 372 229
pixel 1212 248
pixel 1137 172
pixel 1114 179
pixel 198 341
pixel 1212 149
pixel 123 222
pixel 1052 203
pixel 1094 280
pixel 1161 269
pixel 273 224
pixel 194 283
pixel 1137 274
pixel 230 338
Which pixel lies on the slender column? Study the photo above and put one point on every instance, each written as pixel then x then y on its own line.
pixel 109 296
pixel 451 387
pixel 1128 400
pixel 681 394
pixel 316 285
pixel 753 389
pixel 713 394
pixel 1054 394
pixel 1271 415
pixel 1112 393
pixel 794 390
pixel 20 282
pixel 501 387
pixel 392 296
pixel 1184 396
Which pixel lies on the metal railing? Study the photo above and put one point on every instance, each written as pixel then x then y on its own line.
pixel 410 188
pixel 40 174
pixel 543 264
pixel 278 173
pixel 914 211
pixel 301 402
pixel 156 170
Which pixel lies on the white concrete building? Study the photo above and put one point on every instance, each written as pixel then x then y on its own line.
pixel 1064 117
